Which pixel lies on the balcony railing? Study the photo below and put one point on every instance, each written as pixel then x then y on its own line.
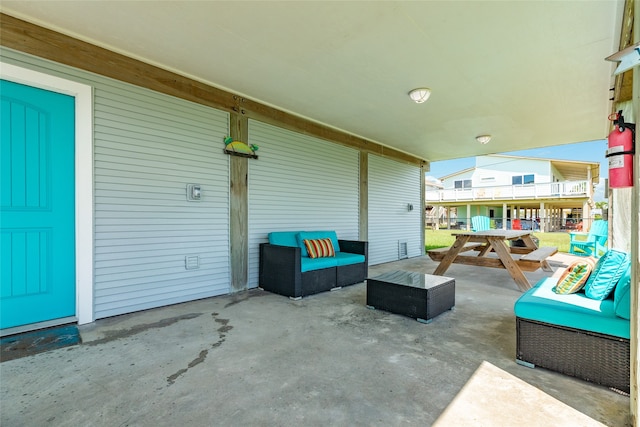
pixel 554 223
pixel 511 192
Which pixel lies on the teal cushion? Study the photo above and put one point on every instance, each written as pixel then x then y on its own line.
pixel 345 258
pixel 622 295
pixel 284 238
pixel 606 274
pixel 309 264
pixel 311 235
pixel 574 310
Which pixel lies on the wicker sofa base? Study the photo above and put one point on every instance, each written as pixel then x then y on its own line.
pixel 598 358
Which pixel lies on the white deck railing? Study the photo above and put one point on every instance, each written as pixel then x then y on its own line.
pixel 511 192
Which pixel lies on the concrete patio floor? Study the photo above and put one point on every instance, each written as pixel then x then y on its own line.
pixel 260 359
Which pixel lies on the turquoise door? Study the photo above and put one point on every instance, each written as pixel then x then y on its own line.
pixel 37 221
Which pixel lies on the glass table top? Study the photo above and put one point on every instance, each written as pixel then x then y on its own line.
pixel 409 278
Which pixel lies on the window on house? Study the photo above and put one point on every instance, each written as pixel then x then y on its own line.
pixel 462 183
pixel 522 179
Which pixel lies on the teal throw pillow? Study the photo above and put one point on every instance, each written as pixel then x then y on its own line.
pixel 622 296
pixel 606 274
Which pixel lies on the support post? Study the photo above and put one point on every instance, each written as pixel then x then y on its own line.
pixel 635 238
pixel 423 205
pixel 505 208
pixel 363 218
pixel 239 207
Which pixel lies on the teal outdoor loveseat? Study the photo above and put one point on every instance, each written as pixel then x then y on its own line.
pixel 286 267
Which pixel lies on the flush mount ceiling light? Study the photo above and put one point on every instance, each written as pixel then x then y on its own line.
pixel 483 139
pixel 420 94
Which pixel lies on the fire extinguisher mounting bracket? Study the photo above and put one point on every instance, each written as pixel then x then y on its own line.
pixel 621 153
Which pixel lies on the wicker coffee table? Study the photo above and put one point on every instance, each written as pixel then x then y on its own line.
pixel 417 295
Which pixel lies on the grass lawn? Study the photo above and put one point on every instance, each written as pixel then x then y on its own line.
pixel 441 238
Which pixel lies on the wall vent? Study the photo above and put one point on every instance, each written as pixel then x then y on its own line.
pixel 403 252
pixel 191 262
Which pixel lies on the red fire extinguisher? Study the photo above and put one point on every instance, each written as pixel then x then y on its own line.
pixel 620 152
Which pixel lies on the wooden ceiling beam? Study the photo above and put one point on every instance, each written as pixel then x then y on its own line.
pixel 45 43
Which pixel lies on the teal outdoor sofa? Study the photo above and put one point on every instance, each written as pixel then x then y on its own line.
pixel 584 334
pixel 287 269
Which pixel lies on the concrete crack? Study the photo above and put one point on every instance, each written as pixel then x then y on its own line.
pixel 222 333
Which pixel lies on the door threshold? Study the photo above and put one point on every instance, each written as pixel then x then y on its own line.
pixel 39 325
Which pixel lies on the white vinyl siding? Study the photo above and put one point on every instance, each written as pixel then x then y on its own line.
pixel 299 183
pixel 392 187
pixel 147 147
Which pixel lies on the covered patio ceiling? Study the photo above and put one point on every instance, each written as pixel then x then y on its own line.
pixel 529 73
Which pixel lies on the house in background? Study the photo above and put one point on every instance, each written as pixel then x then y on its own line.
pixel 545 194
pixel 434 215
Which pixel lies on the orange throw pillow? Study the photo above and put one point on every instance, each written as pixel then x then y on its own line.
pixel 319 248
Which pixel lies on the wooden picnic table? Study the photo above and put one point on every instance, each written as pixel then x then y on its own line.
pixel 497 241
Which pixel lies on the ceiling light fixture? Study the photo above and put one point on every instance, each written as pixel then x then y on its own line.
pixel 420 94
pixel 483 139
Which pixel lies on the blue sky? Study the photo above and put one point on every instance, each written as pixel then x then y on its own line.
pixel 593 151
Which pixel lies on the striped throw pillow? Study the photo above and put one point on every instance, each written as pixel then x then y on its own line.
pixel 319 248
pixel 575 276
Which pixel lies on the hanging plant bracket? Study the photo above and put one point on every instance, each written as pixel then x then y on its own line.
pixel 239 148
